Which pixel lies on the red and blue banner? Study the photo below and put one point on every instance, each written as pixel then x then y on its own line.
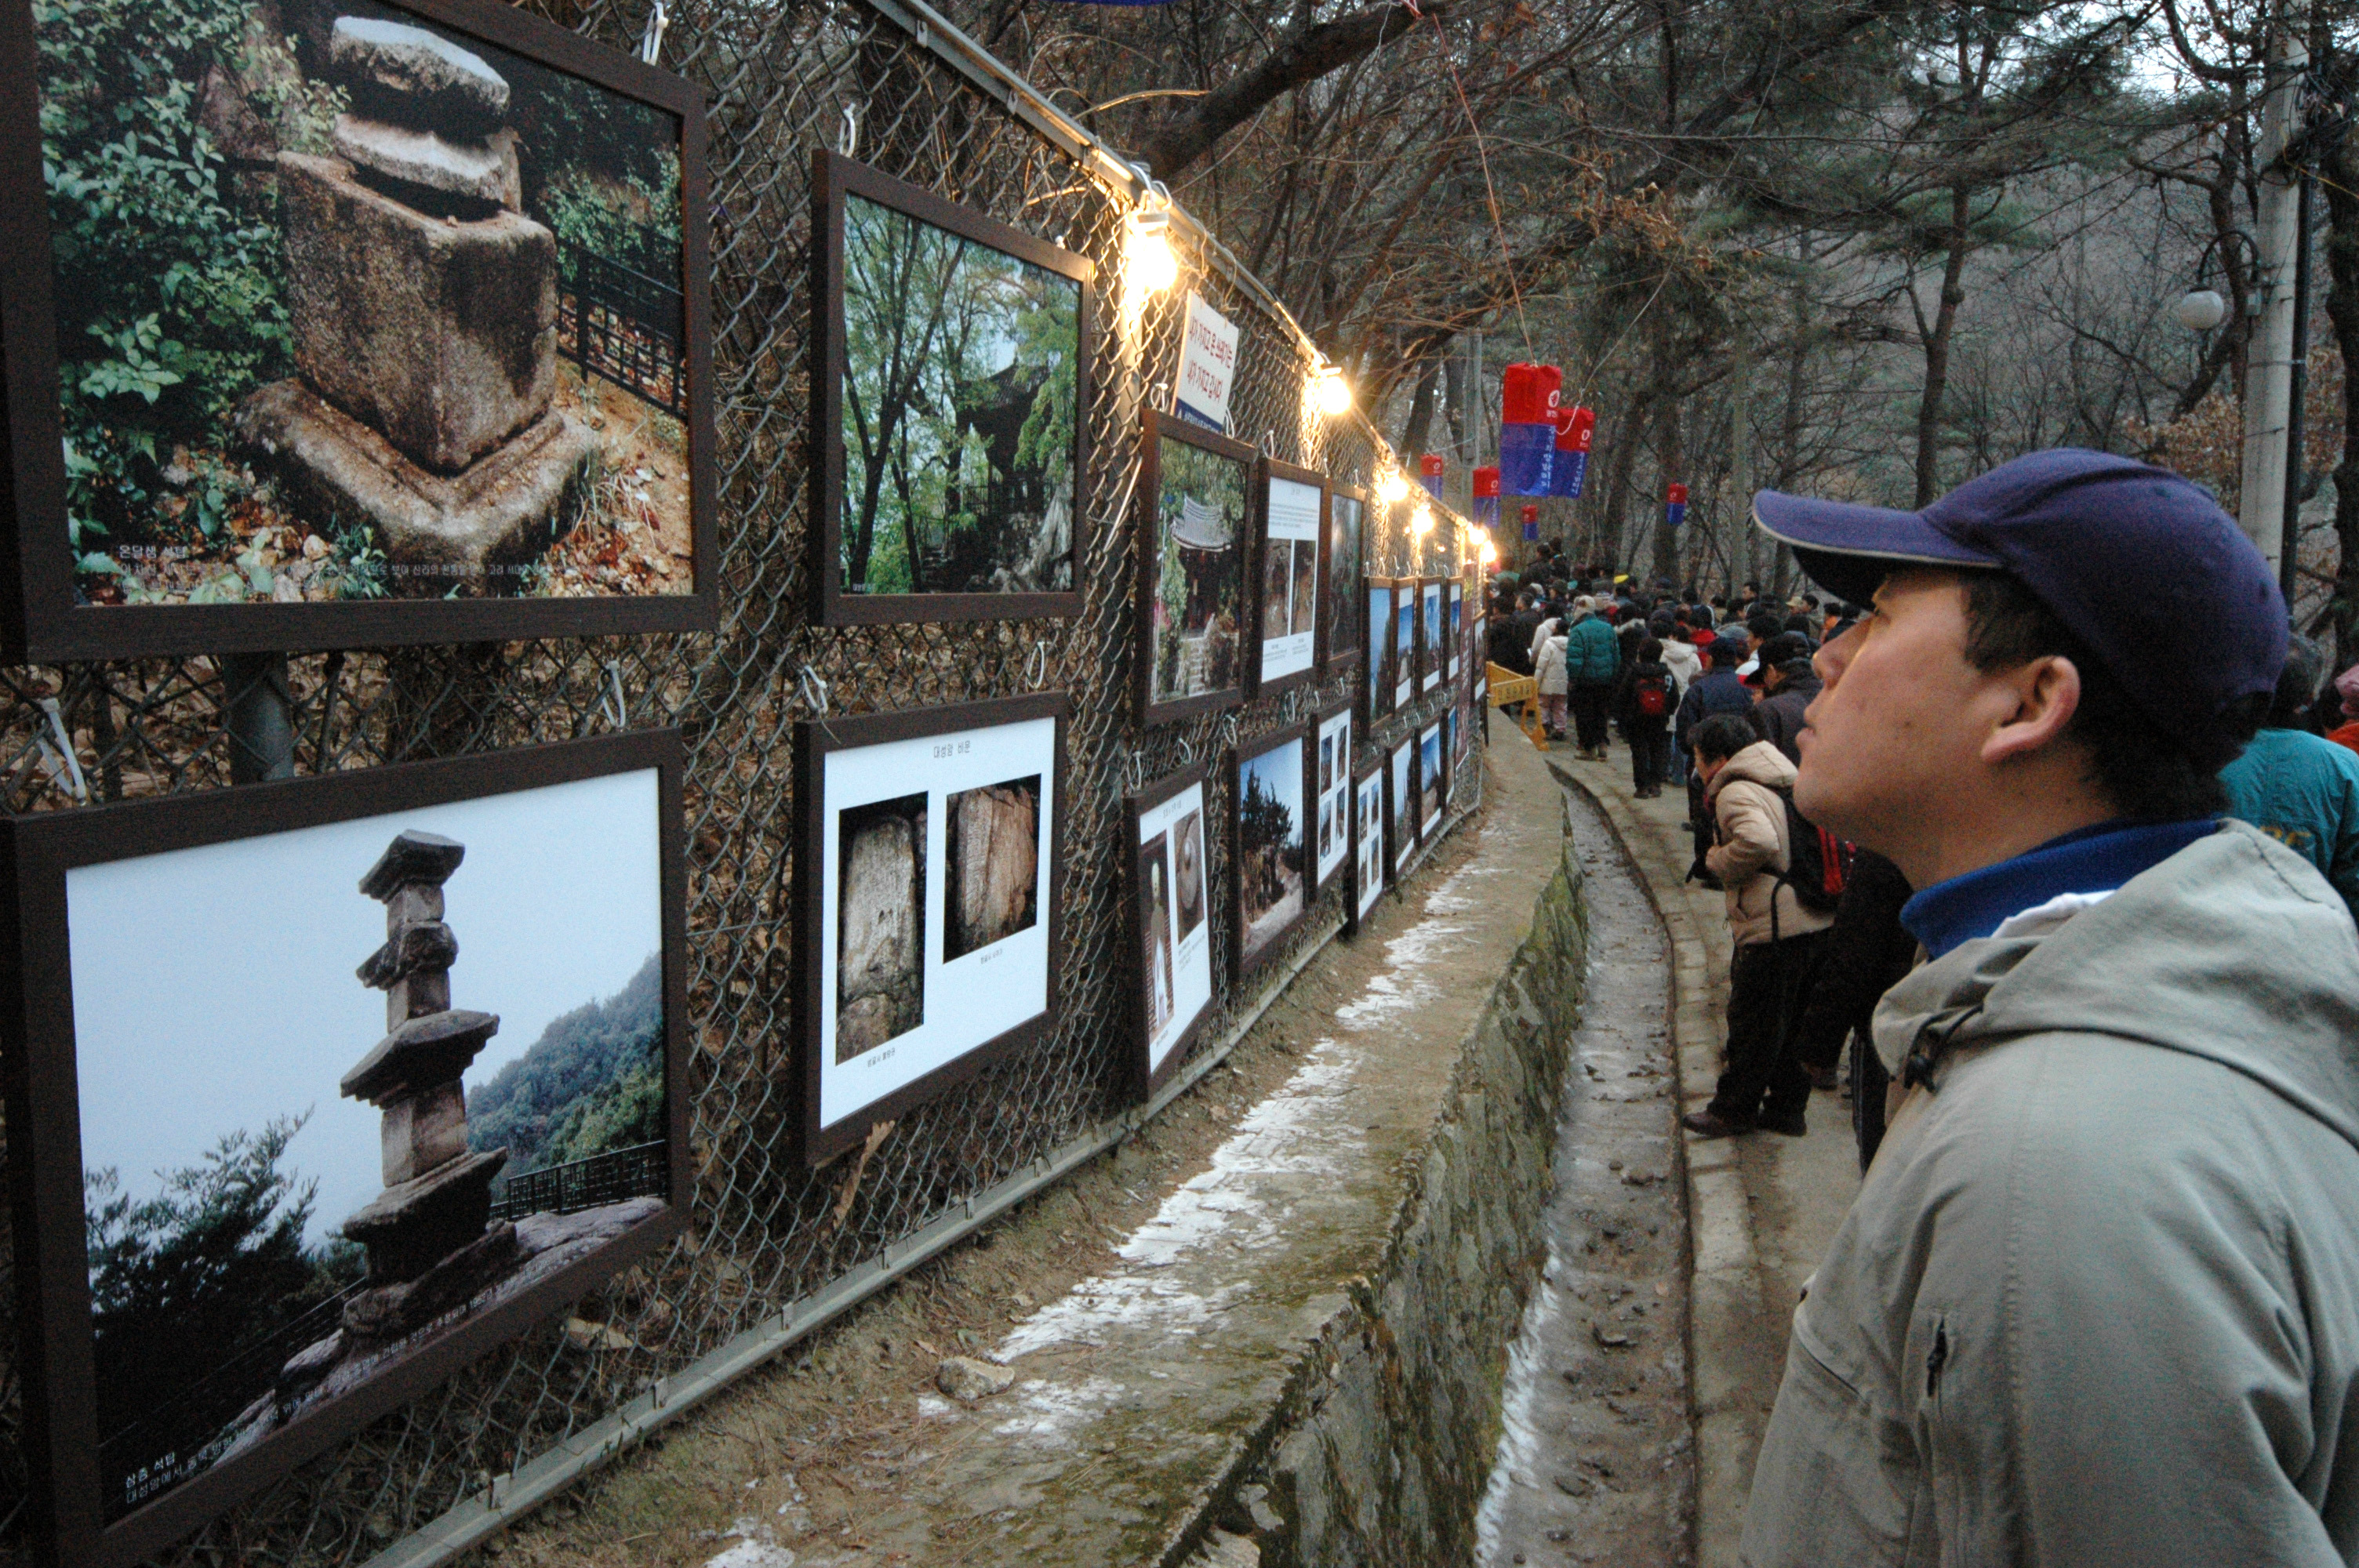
pixel 1486 496
pixel 1531 522
pixel 1574 430
pixel 1527 403
pixel 1675 507
pixel 1430 469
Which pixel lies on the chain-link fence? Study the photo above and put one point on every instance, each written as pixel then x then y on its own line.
pixel 894 87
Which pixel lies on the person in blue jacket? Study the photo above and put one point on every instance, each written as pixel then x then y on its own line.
pixel 1592 659
pixel 2297 787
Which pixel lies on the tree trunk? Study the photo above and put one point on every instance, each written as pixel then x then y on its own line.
pixel 1937 350
pixel 1421 413
pixel 2343 308
pixel 1617 480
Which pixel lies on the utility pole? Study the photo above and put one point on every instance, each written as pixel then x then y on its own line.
pixel 2269 412
pixel 1740 461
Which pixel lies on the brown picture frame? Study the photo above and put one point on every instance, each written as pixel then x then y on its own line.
pixel 1347 711
pixel 1432 793
pixel 1154 429
pixel 40 620
pixel 1376 685
pixel 1401 806
pixel 45 1155
pixel 1432 637
pixel 814 742
pixel 833 177
pixel 1342 638
pixel 1261 685
pixel 1359 899
pixel 1147 1071
pixel 1246 963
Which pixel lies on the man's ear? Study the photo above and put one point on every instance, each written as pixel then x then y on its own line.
pixel 2045 693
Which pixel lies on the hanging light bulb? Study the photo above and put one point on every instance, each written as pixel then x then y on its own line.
pixel 1488 551
pixel 1335 391
pixel 1391 487
pixel 1149 260
pixel 1420 522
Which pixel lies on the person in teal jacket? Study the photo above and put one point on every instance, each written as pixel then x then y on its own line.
pixel 2299 789
pixel 1592 657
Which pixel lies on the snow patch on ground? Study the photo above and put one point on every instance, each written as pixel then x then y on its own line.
pixel 1044 1409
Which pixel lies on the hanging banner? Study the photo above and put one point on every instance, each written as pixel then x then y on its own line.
pixel 1430 469
pixel 1574 430
pixel 1486 496
pixel 1675 507
pixel 1531 522
pixel 1527 403
pixel 1208 367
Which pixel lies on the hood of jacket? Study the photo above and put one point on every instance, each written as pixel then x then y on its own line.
pixel 1760 763
pixel 2235 950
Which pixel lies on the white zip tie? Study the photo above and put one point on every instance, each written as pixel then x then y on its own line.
pixel 814 690
pixel 1036 671
pixel 848 142
pixel 651 41
pixel 617 700
pixel 63 750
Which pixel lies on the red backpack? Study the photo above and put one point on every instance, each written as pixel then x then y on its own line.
pixel 1652 694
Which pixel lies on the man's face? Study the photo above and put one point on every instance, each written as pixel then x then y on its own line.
pixel 1898 727
pixel 1708 768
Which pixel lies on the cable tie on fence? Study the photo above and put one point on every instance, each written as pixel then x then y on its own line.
pixel 652 41
pixel 63 751
pixel 848 143
pixel 617 700
pixel 814 690
pixel 1036 671
pixel 1187 751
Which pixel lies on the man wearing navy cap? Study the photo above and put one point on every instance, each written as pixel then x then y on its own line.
pixel 2098 1298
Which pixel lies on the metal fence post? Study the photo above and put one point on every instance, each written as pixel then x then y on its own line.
pixel 258 715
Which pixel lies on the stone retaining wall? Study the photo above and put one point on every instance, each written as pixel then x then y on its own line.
pixel 1381 1453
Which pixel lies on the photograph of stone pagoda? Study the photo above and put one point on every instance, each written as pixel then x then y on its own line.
pixel 377 311
pixel 1200 572
pixel 328 1176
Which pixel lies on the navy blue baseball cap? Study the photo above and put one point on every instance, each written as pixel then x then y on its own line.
pixel 2139 564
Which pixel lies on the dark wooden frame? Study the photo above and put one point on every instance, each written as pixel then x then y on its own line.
pixel 1374 693
pixel 1335 660
pixel 1148 1078
pixel 1318 721
pixel 1352 893
pixel 1406 656
pixel 1258 585
pixel 1453 627
pixel 1441 654
pixel 1147 560
pixel 1241 965
pixel 814 741
pixel 1439 789
pixel 1400 844
pixel 38 619
pixel 45 1173
pixel 834 176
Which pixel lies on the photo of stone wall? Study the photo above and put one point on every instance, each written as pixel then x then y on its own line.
pixel 880 965
pixel 400 314
pixel 960 403
pixel 992 862
pixel 1188 871
pixel 1200 581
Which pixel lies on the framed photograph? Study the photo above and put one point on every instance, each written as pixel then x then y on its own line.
pixel 1404 649
pixel 1293 517
pixel 929 868
pixel 1432 780
pixel 417 350
pixel 1171 939
pixel 1430 646
pixel 1269 844
pixel 1343 607
pixel 1400 805
pixel 1461 726
pixel 1193 487
pixel 1455 626
pixel 1332 810
pixel 1367 841
pixel 953 368
pixel 260 1198
pixel 1379 627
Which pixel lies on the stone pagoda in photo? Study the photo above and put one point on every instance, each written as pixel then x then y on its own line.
pixel 437 1199
pixel 424 308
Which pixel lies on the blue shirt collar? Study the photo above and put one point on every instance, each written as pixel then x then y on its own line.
pixel 2094 859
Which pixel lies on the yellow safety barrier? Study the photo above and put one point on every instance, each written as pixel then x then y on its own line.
pixel 1522 692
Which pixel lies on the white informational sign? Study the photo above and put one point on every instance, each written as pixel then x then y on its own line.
pixel 1334 821
pixel 959 998
pixel 1403 797
pixel 1289 581
pixel 1208 367
pixel 1368 842
pixel 1176 938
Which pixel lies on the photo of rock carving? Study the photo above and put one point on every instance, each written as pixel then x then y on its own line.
pixel 960 404
pixel 270 1226
pixel 880 961
pixel 1155 925
pixel 1305 596
pixel 1343 570
pixel 1277 586
pixel 1188 871
pixel 1272 859
pixel 992 855
pixel 400 314
pixel 1200 582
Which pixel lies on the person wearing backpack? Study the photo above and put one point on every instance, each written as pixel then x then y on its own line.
pixel 1778 913
pixel 1644 700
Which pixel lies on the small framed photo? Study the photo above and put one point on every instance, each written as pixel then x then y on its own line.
pixel 1293 517
pixel 1405 648
pixel 929 856
pixel 1430 644
pixel 951 370
pixel 1170 934
pixel 262 1198
pixel 1379 628
pixel 1344 609
pixel 1432 780
pixel 1401 805
pixel 1461 727
pixel 1367 840
pixel 1269 843
pixel 1456 626
pixel 416 348
pixel 1331 811
pixel 1194 488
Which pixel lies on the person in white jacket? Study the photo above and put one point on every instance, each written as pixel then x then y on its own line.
pixel 1549 665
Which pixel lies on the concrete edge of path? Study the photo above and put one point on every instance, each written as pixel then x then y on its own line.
pixel 1725 1291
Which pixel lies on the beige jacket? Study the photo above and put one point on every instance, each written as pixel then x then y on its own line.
pixel 1751 848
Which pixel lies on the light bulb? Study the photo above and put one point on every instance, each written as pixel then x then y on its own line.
pixel 1488 551
pixel 2202 310
pixel 1420 522
pixel 1391 487
pixel 1150 265
pixel 1335 391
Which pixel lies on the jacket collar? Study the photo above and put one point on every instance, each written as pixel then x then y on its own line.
pixel 2092 860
